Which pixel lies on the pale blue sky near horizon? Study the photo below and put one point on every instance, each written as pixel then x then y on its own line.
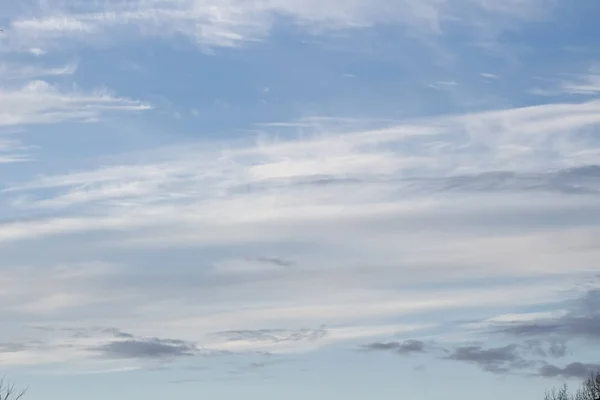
pixel 341 199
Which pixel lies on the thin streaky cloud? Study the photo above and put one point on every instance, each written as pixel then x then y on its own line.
pixel 39 102
pixel 204 190
pixel 572 370
pixel 28 72
pixel 234 22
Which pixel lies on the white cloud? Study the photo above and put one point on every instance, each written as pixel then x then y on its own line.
pixel 280 180
pixel 485 325
pixel 27 97
pixel 13 151
pixel 443 85
pixel 39 102
pixel 337 336
pixel 581 84
pixel 28 72
pixel 376 225
pixel 360 191
pixel 50 25
pixel 588 84
pixel 79 304
pixel 36 51
pixel 12 158
pixel 354 206
pixel 488 75
pixel 530 139
pixel 233 22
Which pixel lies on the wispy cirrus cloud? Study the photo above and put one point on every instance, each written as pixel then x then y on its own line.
pixel 274 335
pixel 12 151
pixel 38 102
pixel 432 207
pixel 574 84
pixel 231 23
pixel 20 72
pixel 457 232
pixel 29 96
pixel 457 154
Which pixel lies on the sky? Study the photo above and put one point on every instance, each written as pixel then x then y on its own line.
pixel 266 199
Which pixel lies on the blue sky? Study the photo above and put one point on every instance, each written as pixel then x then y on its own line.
pixel 304 199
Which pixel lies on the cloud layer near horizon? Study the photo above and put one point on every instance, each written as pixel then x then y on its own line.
pixel 419 219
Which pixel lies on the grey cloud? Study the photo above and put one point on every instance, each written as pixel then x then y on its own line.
pixel 557 349
pixel 130 346
pixel 546 348
pixel 498 360
pixel 577 180
pixel 118 333
pixel 280 262
pixel 41 328
pixel 504 359
pixel 151 348
pixel 118 344
pixel 262 364
pixel 12 347
pixel 572 370
pixel 31 345
pixel 188 380
pixel 406 347
pixel 274 335
pixel 382 346
pixel 315 180
pixel 581 321
pixel 78 332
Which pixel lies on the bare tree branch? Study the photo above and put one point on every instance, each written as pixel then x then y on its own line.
pixel 560 394
pixel 8 391
pixel 589 390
